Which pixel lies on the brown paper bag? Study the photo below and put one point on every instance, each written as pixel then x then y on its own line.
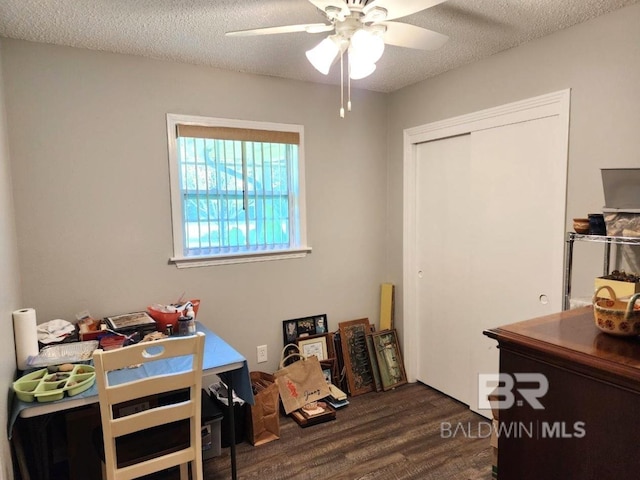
pixel 264 416
pixel 301 382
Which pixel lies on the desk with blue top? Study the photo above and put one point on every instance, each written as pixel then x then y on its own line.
pixel 219 358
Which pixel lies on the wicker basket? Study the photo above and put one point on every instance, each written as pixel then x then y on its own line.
pixel 614 316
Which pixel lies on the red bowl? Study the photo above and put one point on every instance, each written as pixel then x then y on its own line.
pixel 163 319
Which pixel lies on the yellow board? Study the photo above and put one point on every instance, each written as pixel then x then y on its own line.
pixel 386 306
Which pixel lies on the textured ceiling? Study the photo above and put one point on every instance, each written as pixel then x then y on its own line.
pixel 192 31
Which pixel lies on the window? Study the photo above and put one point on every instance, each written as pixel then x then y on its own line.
pixel 237 190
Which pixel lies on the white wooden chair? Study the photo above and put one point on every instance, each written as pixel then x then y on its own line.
pixel 174 428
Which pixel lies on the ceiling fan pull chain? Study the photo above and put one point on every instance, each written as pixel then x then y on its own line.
pixel 341 85
pixel 348 84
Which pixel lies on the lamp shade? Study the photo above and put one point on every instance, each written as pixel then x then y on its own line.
pixel 323 55
pixel 368 45
pixel 358 67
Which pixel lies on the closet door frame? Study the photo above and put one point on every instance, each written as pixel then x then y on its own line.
pixel 553 104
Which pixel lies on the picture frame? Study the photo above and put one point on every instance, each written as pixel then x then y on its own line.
pixel 389 358
pixel 289 331
pixel 321 324
pixel 130 321
pixel 295 328
pixel 289 349
pixel 353 337
pixel 306 326
pixel 314 345
pixel 336 342
pixel 330 370
pixel 305 419
pixel 375 369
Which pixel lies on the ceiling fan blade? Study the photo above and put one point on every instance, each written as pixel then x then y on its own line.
pixel 410 36
pixel 323 4
pixel 401 9
pixel 307 27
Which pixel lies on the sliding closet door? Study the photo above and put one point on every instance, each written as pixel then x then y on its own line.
pixel 516 268
pixel 489 243
pixel 443 207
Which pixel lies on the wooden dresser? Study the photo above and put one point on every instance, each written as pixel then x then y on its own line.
pixel 589 427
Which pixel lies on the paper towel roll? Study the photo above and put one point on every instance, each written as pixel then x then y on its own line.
pixel 25 334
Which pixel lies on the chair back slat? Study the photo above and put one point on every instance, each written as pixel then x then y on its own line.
pixel 156 464
pixel 145 352
pixel 150 386
pixel 150 418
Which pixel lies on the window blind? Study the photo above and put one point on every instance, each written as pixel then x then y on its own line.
pixel 239 188
pixel 240 134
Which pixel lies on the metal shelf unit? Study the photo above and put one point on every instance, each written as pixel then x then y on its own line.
pixel 568 264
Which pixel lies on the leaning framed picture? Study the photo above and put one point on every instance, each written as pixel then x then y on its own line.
pixel 330 370
pixel 304 327
pixel 353 337
pixel 389 357
pixel 314 345
pixel 375 370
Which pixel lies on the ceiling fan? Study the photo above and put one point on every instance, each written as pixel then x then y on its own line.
pixel 361 28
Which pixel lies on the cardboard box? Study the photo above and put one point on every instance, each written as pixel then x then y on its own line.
pixel 621 289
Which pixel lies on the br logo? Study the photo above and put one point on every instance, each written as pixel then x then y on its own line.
pixel 529 386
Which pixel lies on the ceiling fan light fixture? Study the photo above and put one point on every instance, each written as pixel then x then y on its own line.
pixel 359 68
pixel 375 14
pixel 324 54
pixel 368 45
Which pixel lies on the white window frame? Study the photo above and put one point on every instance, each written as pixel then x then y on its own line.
pixel 177 220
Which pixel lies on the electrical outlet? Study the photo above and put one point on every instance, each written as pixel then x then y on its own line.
pixel 262 353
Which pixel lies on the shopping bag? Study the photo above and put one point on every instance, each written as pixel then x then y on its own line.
pixel 263 423
pixel 300 382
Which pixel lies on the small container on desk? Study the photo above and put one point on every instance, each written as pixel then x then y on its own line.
pixel 186 326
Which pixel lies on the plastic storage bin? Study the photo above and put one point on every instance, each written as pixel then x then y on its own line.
pixel 622 201
pixel 211 427
pixel 621 187
pixel 622 223
pixel 218 393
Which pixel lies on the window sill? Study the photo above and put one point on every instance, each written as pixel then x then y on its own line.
pixel 227 259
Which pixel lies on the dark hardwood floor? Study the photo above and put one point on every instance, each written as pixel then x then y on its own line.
pixel 387 435
pixel 394 435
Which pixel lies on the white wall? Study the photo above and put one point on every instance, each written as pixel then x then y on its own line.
pixel 88 142
pixel 9 279
pixel 599 60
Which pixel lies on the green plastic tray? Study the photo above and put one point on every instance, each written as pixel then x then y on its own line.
pixel 48 387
